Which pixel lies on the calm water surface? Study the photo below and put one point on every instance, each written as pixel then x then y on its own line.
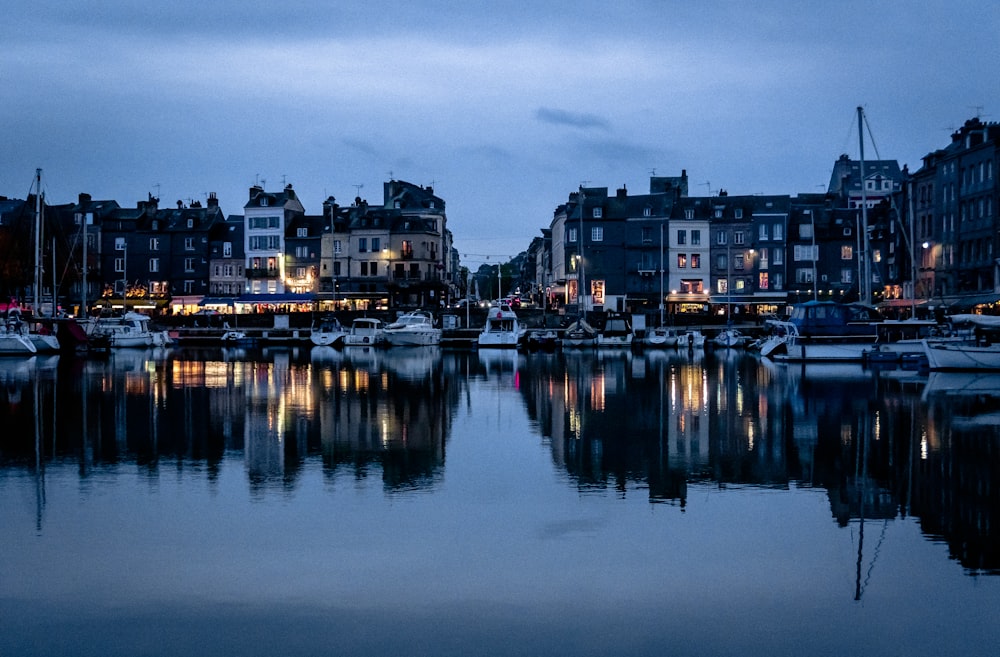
pixel 419 502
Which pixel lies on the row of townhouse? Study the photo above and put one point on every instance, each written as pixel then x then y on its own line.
pixel 923 240
pixel 273 256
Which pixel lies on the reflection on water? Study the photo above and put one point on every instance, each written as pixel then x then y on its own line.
pixel 447 451
pixel 881 444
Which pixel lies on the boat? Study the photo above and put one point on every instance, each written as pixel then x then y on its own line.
pixel 962 355
pixel 691 339
pixel 579 335
pixel 364 332
pixel 327 333
pixel 661 337
pixel 14 340
pixel 130 330
pixel 236 338
pixel 542 340
pixel 502 329
pixel 412 329
pixel 730 338
pixel 827 330
pixel 617 332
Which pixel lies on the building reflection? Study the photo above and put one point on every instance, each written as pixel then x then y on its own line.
pixel 882 445
pixel 879 445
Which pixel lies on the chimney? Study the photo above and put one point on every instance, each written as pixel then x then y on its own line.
pixel 256 189
pixel 213 200
pixel 84 198
pixel 622 192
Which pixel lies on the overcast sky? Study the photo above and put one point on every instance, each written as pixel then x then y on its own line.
pixel 505 109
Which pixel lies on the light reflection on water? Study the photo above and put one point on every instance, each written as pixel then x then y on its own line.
pixel 429 502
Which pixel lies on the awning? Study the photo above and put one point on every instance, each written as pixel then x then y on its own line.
pixel 284 297
pixel 217 301
pixel 900 303
pixel 970 300
pixel 187 300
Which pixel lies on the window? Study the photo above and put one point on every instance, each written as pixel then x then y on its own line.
pixel 695 261
pixel 188 264
pixel 190 223
pixel 119 244
pixel 739 237
pixel 763 258
pixel 847 252
pixel 696 238
pixel 376 244
pixel 689 213
pixel 777 282
pixel 263 201
pixel 364 267
pixel 738 262
pixel 805 231
pixel 739 213
pixel 264 223
pixel 647 212
pixel 778 231
pixel 336 268
pixel 302 232
pixel 154 265
pixel 188 287
pixel 720 261
pixel 762 281
pixel 154 243
pixel 337 247
pixel 802 252
pixel 778 256
pixel 189 244
pixel 571 235
pixel 762 232
pixel 228 271
pixel 803 276
pixel 695 286
pixel 647 235
pixel 739 284
pixel 362 244
pixel 722 286
pixel 227 249
pixel 119 265
pixel 722 238
pixel 682 260
pixel 846 275
pixel 406 249
pixel 598 213
pixel 682 237
pixel 302 252
pixel 597 234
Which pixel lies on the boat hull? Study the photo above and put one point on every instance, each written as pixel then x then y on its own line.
pixel 948 356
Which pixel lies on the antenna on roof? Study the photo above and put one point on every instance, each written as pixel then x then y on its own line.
pixel 708 184
pixel 358 188
pixel 652 171
pixel 263 183
pixel 979 110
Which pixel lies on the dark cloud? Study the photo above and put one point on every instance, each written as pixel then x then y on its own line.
pixel 572 119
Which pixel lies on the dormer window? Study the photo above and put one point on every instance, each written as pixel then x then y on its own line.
pixel 302 232
pixel 647 212
pixel 190 223
pixel 739 213
pixel 598 213
pixel 156 225
pixel 263 201
pixel 689 213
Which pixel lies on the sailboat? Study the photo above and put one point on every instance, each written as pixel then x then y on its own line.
pixel 41 337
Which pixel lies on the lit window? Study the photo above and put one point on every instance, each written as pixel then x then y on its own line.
pixel 597 234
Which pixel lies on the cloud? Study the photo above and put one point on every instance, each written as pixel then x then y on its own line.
pixel 572 119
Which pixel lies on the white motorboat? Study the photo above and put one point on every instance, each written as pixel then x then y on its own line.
pixel 502 329
pixel 691 339
pixel 962 355
pixel 327 333
pixel 730 338
pixel 413 329
pixel 579 335
pixel 365 332
pixel 617 333
pixel 661 337
pixel 130 330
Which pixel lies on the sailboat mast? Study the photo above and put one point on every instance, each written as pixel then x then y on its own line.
pixel 581 299
pixel 83 287
pixel 38 242
pixel 865 284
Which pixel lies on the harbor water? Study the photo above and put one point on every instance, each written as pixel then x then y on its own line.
pixel 296 501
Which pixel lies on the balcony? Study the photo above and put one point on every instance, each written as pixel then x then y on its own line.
pixel 262 273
